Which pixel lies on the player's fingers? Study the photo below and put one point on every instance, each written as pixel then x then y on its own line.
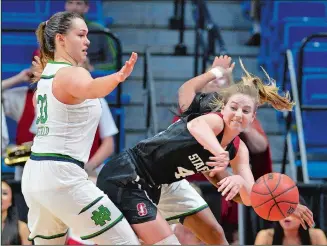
pixel 309 211
pixel 232 193
pixel 221 181
pixel 215 61
pixel 218 157
pixel 308 218
pixel 224 185
pixel 232 66
pixel 227 189
pixel 303 224
pixel 215 163
pixel 217 170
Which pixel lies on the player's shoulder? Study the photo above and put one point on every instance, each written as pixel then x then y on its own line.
pixel 317 236
pixel 267 233
pixel 264 237
pixel 241 143
pixel 316 232
pixel 71 71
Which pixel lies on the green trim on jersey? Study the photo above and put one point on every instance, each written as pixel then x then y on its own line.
pixel 48 237
pixel 47 76
pixel 55 157
pixel 104 229
pixel 55 62
pixel 194 211
pixel 91 204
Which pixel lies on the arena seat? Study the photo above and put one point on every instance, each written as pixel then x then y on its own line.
pixel 314 95
pixel 284 25
pixel 314 59
pixel 273 26
pixel 293 34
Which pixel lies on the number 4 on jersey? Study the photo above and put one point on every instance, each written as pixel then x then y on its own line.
pixel 182 173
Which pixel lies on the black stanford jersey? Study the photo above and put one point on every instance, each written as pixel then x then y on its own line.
pixel 174 154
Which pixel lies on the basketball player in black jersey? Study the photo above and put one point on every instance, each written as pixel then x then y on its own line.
pixel 196 143
pixel 195 96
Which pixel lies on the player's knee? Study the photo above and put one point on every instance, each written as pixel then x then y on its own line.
pixel 170 240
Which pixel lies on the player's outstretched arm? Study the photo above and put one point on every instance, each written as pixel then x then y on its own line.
pixel 188 90
pixel 78 82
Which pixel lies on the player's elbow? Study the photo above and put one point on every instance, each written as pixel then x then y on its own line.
pixel 194 125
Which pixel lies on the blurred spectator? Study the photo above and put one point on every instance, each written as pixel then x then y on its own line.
pixel 4 132
pixel 18 105
pixel 256 30
pixel 101 51
pixel 23 76
pixel 290 232
pixel 14 231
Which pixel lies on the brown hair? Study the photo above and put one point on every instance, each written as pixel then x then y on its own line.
pixel 254 87
pixel 46 33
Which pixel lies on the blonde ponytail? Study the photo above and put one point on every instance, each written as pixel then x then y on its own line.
pixel 268 93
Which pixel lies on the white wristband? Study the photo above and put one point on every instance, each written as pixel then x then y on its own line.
pixel 217 72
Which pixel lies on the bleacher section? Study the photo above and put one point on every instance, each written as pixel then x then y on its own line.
pixel 284 25
pixel 18 45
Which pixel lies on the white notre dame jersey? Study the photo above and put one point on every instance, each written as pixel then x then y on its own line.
pixel 63 129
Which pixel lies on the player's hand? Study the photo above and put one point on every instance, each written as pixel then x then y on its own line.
pixel 304 215
pixel 224 62
pixel 37 68
pixel 219 162
pixel 127 69
pixel 230 185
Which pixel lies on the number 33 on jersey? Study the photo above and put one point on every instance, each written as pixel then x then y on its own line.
pixel 42 107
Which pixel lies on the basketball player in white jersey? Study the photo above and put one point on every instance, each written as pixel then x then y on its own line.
pixel 55 186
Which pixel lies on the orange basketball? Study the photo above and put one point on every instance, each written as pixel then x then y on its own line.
pixel 274 196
